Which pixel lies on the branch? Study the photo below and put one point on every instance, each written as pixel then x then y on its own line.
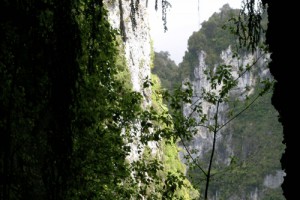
pixel 190 155
pixel 248 69
pixel 239 113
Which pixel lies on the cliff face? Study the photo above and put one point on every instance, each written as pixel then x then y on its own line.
pixel 137 48
pixel 245 87
pixel 136 43
pixel 229 145
pixel 137 40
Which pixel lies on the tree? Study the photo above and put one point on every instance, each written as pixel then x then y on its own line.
pixel 165 69
pixel 38 75
pixel 183 125
pixel 216 96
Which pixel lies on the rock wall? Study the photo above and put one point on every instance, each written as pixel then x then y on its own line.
pixel 245 87
pixel 137 47
pixel 203 140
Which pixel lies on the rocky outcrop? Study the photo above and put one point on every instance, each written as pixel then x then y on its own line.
pixel 203 140
pixel 245 87
pixel 274 180
pixel 137 48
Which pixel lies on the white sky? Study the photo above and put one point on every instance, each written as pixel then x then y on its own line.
pixel 183 18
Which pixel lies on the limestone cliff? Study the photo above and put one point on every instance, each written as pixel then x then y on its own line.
pixel 137 48
pixel 228 142
pixel 137 40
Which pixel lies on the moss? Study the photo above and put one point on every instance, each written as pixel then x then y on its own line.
pixel 169 151
pixel 123 74
pixel 152 55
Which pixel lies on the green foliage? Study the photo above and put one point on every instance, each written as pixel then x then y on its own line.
pixel 226 28
pixel 38 71
pixel 105 106
pixel 152 55
pixel 257 149
pixel 256 153
pixel 166 70
pixel 174 171
pixel 66 100
pixel 176 185
pixel 212 38
pixel 251 24
pixel 122 75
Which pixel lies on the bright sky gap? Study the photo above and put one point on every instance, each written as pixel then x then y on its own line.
pixel 183 18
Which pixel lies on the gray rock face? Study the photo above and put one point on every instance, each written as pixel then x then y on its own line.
pixel 245 87
pixel 137 45
pixel 137 53
pixel 274 180
pixel 203 140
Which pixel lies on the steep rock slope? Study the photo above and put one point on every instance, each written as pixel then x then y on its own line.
pixel 249 147
pixel 137 49
pixel 134 28
pixel 241 143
